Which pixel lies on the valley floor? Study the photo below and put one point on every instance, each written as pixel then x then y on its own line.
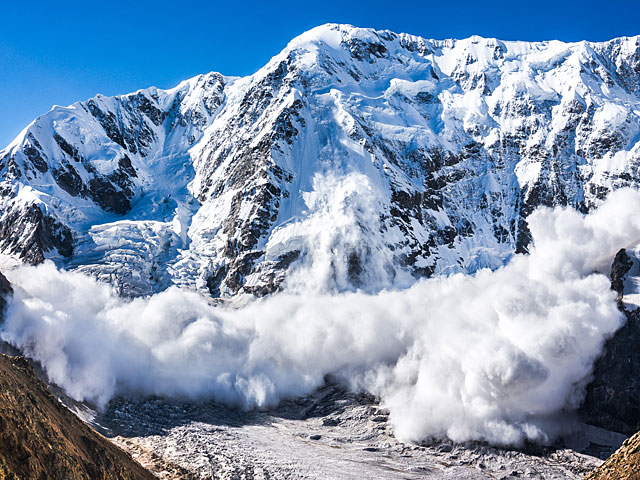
pixel 331 434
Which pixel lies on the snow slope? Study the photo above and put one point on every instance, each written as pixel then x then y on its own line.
pixel 369 156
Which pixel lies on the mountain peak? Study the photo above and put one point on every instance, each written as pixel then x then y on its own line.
pixel 332 35
pixel 220 180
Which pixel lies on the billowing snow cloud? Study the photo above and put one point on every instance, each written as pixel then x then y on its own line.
pixel 492 356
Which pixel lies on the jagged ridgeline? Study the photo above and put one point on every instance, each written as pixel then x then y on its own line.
pixel 367 157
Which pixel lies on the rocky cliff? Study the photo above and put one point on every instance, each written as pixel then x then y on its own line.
pixel 613 395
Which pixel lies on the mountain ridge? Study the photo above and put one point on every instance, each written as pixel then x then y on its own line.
pixel 216 184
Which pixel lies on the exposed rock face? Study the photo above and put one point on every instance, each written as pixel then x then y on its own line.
pixel 621 265
pixel 40 438
pixel 30 234
pixel 613 396
pixel 213 183
pixel 5 292
pixel 622 465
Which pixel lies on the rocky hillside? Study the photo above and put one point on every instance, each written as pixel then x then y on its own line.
pixel 622 465
pixel 41 439
pixel 436 148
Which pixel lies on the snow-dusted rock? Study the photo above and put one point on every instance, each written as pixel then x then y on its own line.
pixel 388 154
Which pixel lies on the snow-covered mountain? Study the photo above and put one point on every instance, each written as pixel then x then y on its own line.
pixel 354 159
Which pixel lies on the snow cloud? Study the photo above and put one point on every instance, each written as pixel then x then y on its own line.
pixel 492 356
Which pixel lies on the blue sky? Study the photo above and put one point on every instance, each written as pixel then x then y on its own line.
pixel 60 52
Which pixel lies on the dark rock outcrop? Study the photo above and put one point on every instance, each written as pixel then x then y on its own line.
pixel 620 267
pixel 30 233
pixel 613 397
pixel 5 292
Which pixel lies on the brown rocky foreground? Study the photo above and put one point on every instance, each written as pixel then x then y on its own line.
pixel 41 439
pixel 622 465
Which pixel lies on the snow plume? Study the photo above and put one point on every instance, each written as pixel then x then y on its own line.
pixel 339 239
pixel 494 356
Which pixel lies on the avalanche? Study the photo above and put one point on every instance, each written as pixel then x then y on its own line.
pixel 497 356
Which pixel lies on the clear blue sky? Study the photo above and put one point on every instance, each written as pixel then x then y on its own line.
pixel 57 52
